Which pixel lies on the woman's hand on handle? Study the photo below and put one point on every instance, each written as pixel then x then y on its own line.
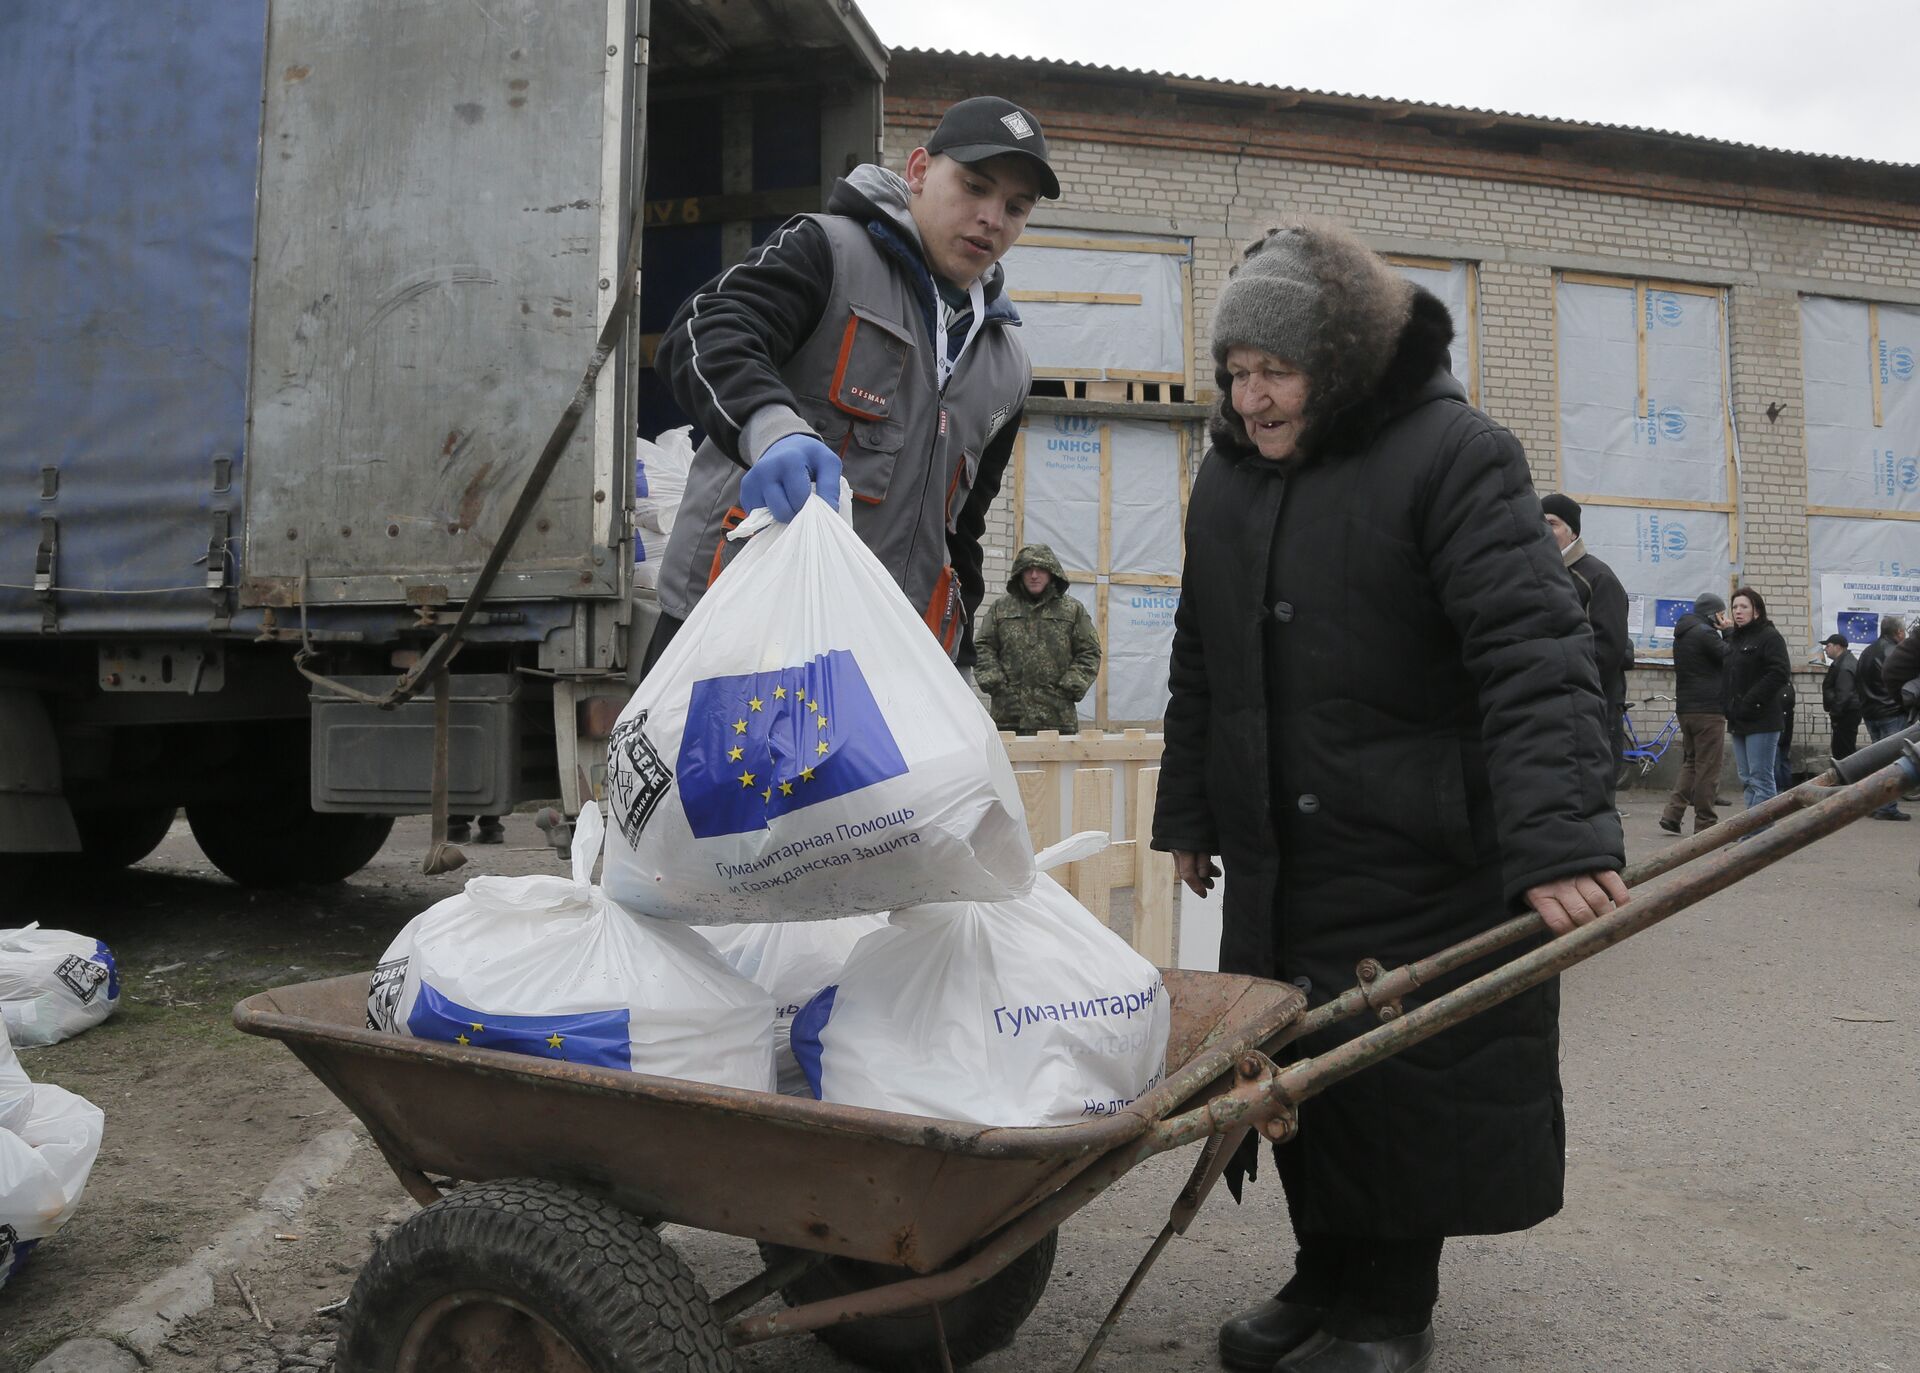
pixel 1570 902
pixel 1197 870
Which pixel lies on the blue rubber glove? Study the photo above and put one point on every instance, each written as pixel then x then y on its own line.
pixel 788 472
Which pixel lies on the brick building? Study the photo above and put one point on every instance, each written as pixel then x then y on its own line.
pixel 1633 305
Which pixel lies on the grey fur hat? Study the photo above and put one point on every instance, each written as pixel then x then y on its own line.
pixel 1707 605
pixel 1315 295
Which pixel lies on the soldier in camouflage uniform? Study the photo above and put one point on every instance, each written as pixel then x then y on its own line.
pixel 1038 649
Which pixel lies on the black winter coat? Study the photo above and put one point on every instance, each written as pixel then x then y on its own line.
pixel 1839 691
pixel 1699 661
pixel 1605 601
pixel 1392 813
pixel 1757 672
pixel 1877 701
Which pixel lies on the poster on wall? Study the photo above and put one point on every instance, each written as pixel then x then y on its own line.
pixel 1852 604
pixel 1664 558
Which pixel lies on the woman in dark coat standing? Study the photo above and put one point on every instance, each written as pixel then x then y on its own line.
pixel 1385 720
pixel 1757 672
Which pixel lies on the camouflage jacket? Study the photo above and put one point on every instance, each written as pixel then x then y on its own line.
pixel 1037 658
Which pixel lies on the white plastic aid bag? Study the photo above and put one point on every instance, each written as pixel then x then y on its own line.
pixel 45 1164
pixel 550 967
pixel 1020 1012
pixel 791 961
pixel 663 462
pixel 54 984
pixel 804 750
pixel 16 1088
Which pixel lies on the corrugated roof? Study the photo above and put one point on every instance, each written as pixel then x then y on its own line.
pixel 1412 107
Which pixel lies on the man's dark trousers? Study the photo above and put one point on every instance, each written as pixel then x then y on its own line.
pixel 1846 734
pixel 1703 742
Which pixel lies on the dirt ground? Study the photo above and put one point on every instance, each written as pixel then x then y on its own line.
pixel 1744 1161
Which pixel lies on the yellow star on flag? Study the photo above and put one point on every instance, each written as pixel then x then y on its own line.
pixel 767 795
pixel 555 1040
pixel 756 703
pixel 461 1039
pixel 823 722
pixel 779 693
pixel 477 1026
pixel 799 694
pixel 806 774
pixel 746 779
pixel 822 750
pixel 814 706
pixel 735 754
pixel 739 726
pixel 786 788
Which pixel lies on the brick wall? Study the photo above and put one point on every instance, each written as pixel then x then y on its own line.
pixel 1223 182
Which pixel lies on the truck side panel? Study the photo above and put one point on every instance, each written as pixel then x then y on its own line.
pixel 126 230
pixel 439 233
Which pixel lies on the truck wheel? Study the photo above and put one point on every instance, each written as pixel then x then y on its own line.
pixel 122 837
pixel 977 1322
pixel 530 1276
pixel 284 843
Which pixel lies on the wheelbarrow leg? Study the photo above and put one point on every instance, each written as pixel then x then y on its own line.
pixel 1214 1157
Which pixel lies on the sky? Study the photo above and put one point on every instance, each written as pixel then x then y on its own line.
pixel 1837 77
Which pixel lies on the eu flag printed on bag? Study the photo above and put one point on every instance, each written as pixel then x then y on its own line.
pixel 760 745
pixel 601 1038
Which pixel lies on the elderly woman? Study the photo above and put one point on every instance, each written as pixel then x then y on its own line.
pixel 1386 722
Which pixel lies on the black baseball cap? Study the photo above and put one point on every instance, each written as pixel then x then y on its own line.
pixel 1840 639
pixel 987 126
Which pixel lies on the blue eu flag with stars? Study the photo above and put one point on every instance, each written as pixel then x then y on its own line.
pixel 1666 613
pixel 1860 626
pixel 601 1038
pixel 760 745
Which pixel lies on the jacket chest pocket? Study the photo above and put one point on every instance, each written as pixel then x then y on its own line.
pixel 866 396
pixel 966 471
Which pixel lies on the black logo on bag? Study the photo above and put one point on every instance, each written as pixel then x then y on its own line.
pixel 383 996
pixel 637 777
pixel 82 976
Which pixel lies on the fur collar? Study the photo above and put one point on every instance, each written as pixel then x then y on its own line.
pixel 1408 379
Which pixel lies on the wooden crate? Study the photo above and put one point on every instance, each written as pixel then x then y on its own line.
pixel 1067 783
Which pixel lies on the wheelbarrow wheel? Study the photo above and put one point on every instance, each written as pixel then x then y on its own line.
pixel 976 1322
pixel 533 1277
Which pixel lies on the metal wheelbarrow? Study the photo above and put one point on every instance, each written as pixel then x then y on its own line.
pixel 904 1242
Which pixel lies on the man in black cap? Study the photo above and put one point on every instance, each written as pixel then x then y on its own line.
pixel 1605 602
pixel 1840 694
pixel 874 341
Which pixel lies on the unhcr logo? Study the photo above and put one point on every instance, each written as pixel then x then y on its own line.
pixel 1673 424
pixel 1674 538
pixel 1664 307
pixel 1073 424
pixel 1909 474
pixel 1900 363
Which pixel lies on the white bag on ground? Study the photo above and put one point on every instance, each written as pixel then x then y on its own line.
pixel 54 984
pixel 44 1165
pixel 804 749
pixel 791 962
pixel 1021 1012
pixel 16 1088
pixel 550 967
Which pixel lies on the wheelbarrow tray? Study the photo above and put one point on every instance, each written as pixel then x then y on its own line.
pixel 872 1185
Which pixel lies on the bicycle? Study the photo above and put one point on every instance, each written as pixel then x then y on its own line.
pixel 1635 753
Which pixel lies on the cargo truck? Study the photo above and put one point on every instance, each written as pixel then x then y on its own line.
pixel 302 447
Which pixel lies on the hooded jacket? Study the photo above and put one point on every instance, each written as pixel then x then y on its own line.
pixel 833 327
pixel 1390 814
pixel 1038 655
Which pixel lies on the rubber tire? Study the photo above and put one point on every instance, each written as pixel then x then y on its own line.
pixel 977 1322
pixel 285 843
pixel 120 838
pixel 595 1273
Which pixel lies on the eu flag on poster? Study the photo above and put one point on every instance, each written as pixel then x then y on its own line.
pixel 760 745
pixel 601 1038
pixel 1860 626
pixel 1666 613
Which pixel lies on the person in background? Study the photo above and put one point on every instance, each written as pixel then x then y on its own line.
pixel 1880 706
pixel 1783 760
pixel 1699 658
pixel 1605 602
pixel 1757 668
pixel 1840 694
pixel 1038 649
pixel 1354 509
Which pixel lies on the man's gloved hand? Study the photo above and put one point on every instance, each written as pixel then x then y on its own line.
pixel 788 472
